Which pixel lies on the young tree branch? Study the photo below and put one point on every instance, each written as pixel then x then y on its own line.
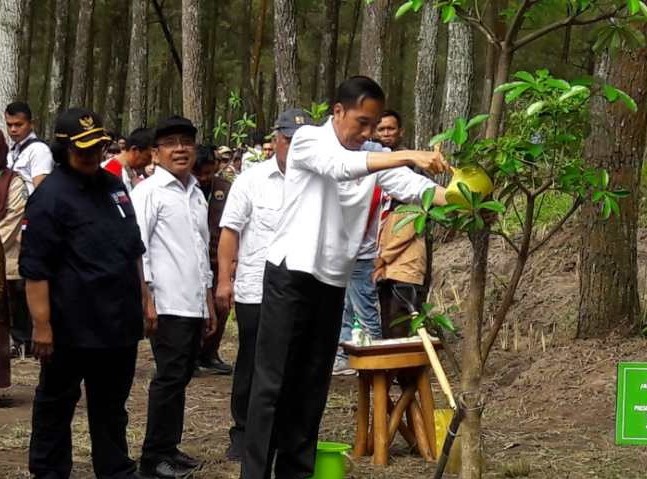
pixel 480 26
pixel 507 240
pixel 576 204
pixel 571 20
pixel 518 20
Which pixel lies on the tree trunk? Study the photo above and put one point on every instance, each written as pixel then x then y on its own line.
pixel 25 47
pixel 57 67
pixel 288 86
pixel 328 59
pixel 496 107
pixel 82 47
pixel 137 79
pixel 244 54
pixel 258 42
pixel 459 76
pixel 9 52
pixel 167 35
pixel 471 462
pixel 425 86
pixel 104 50
pixel 608 257
pixel 192 66
pixel 116 91
pixel 494 21
pixel 43 83
pixel 397 51
pixel 374 28
pixel 353 34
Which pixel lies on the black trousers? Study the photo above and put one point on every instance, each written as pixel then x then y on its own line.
pixel 248 317
pixel 175 345
pixel 108 376
pixel 295 351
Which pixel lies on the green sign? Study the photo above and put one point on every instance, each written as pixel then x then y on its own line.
pixel 631 404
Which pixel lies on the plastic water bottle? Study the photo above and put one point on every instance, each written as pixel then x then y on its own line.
pixel 357 333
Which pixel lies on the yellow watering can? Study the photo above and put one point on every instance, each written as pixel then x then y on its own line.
pixel 476 180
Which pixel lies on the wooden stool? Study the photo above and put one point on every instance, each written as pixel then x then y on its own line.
pixel 377 365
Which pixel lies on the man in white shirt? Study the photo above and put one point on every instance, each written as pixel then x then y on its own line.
pixel 172 216
pixel 325 210
pixel 248 224
pixel 28 156
pixel 32 159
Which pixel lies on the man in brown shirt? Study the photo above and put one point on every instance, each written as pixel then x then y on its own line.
pixel 215 190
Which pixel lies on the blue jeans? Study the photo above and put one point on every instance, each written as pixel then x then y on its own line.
pixel 361 300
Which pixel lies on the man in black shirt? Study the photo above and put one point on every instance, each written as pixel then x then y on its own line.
pixel 80 255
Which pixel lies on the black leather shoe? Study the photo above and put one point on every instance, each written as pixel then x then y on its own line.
pixel 184 460
pixel 234 453
pixel 164 469
pixel 213 366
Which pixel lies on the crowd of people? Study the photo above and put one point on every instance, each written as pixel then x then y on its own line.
pixel 109 240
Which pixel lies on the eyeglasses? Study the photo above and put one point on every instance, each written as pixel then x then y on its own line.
pixel 175 142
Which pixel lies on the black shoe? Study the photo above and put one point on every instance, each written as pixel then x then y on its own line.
pixel 164 469
pixel 214 366
pixel 184 460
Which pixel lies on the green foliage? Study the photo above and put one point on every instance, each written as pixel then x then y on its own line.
pixel 318 111
pixel 537 156
pixel 429 318
pixel 233 131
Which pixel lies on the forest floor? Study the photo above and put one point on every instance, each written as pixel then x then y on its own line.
pixel 550 399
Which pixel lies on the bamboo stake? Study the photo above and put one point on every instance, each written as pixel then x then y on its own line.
pixel 436 366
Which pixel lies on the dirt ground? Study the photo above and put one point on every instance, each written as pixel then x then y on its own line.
pixel 550 399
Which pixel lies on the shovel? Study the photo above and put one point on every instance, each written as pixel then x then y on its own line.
pixel 459 412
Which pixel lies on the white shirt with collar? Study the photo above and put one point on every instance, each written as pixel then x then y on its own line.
pixel 33 161
pixel 174 229
pixel 327 198
pixel 253 210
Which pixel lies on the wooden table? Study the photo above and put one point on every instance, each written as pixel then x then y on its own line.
pixel 377 365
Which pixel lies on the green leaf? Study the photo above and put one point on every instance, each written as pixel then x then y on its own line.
pixel 558 84
pixel 643 8
pixel 633 6
pixel 535 108
pixel 417 322
pixel 404 8
pixel 525 76
pixel 604 178
pixel 444 322
pixel 597 196
pixel 479 224
pixel 460 132
pixel 419 224
pixel 629 102
pixel 606 209
pixel 615 208
pixel 611 93
pixel 404 222
pixel 621 193
pixel 574 91
pixel 465 191
pixel 512 95
pixel 448 13
pixel 400 320
pixel 508 86
pixel 439 138
pixel 415 209
pixel 428 198
pixel 477 120
pixel 493 206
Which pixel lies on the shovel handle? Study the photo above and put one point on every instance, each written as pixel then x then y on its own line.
pixel 437 367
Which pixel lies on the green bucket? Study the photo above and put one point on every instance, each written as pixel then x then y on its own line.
pixel 331 460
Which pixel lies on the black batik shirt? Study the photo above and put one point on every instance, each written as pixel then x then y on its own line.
pixel 80 234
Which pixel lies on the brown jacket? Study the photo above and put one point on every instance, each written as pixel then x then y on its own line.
pixel 11 223
pixel 402 255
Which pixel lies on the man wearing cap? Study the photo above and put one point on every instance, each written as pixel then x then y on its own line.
pixel 172 216
pixel 248 224
pixel 80 255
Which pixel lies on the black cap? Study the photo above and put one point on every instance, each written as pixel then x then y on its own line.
pixel 291 120
pixel 174 124
pixel 82 128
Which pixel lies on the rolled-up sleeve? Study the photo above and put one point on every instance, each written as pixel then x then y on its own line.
pixel 238 208
pixel 42 239
pixel 143 203
pixel 41 162
pixel 403 184
pixel 309 151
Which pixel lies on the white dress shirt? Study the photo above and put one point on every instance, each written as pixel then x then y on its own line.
pixel 253 209
pixel 327 198
pixel 35 160
pixel 174 228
